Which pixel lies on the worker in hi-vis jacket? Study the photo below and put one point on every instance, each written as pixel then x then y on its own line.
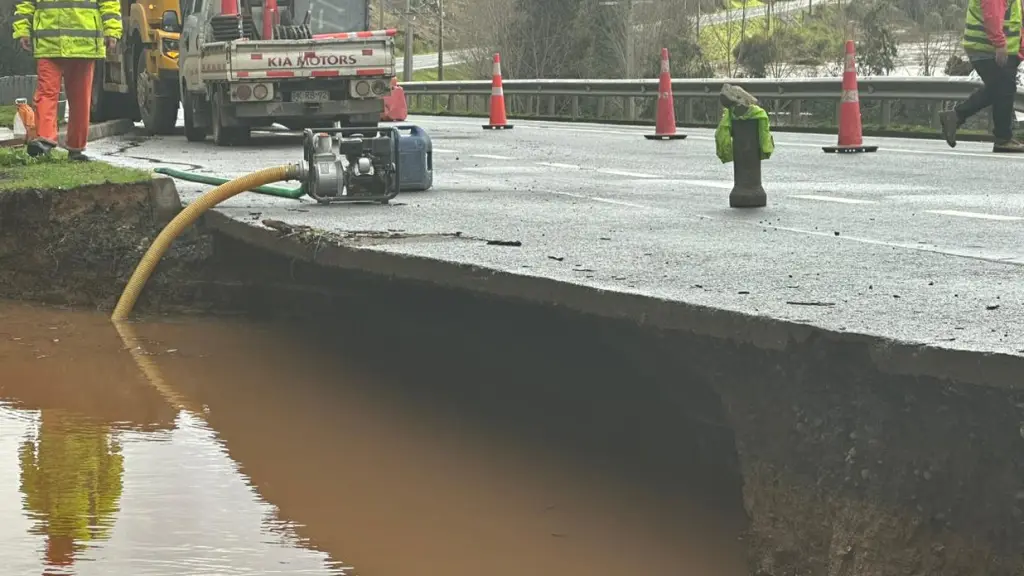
pixel 66 37
pixel 992 41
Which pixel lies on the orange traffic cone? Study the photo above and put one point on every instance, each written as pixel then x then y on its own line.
pixel 665 123
pixel 498 119
pixel 850 129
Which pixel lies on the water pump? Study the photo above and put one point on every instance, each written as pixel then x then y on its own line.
pixel 364 168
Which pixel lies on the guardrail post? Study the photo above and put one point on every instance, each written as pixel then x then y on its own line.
pixel 795 112
pixel 600 107
pixel 575 107
pixel 886 113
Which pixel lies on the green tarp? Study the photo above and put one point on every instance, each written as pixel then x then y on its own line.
pixel 723 134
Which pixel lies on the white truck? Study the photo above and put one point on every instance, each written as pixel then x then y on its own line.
pixel 244 64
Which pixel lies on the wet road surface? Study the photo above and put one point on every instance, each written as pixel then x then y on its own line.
pixel 909 243
pixel 264 450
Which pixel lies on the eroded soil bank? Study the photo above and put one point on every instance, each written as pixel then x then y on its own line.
pixel 79 247
pixel 842 469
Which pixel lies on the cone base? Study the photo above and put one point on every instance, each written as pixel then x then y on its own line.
pixel 849 149
pixel 498 126
pixel 665 136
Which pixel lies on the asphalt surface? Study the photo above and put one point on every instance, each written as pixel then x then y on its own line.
pixel 917 242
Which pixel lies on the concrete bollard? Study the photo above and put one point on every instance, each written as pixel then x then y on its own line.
pixel 747 191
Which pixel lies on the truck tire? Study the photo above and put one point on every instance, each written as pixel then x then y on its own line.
pixel 157 105
pixel 193 132
pixel 105 105
pixel 226 135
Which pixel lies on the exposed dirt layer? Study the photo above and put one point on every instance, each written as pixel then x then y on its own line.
pixel 848 468
pixel 79 248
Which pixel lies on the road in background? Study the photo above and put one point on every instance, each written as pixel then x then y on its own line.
pixel 917 242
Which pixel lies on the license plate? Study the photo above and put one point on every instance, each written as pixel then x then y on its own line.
pixel 311 96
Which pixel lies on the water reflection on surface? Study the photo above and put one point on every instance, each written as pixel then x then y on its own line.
pixel 282 461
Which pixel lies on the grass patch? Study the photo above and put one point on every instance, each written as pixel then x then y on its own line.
pixel 738 4
pixel 7 116
pixel 717 41
pixel 19 171
pixel 453 72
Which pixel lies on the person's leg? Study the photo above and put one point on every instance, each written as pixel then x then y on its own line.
pixel 78 85
pixel 45 102
pixel 992 76
pixel 1004 91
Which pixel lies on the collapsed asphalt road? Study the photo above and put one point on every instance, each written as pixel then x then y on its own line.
pixel 917 242
pixel 858 455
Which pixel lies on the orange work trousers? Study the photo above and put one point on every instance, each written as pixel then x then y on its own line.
pixel 77 74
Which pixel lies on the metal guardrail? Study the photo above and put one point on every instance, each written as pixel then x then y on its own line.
pixel 881 87
pixel 937 90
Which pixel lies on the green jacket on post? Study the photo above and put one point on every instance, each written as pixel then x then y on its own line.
pixel 68 28
pixel 723 134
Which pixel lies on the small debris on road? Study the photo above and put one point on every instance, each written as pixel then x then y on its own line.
pixel 514 243
pixel 811 303
pixel 992 307
pixel 556 258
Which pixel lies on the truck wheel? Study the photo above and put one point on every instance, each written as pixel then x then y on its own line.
pixel 226 135
pixel 159 110
pixel 193 132
pixel 105 105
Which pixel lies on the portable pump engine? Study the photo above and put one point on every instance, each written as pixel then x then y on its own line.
pixel 365 168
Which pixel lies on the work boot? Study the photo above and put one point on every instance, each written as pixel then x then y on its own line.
pixel 1008 146
pixel 77 156
pixel 949 122
pixel 38 148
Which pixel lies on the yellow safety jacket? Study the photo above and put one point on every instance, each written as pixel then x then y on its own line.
pixel 68 28
pixel 975 37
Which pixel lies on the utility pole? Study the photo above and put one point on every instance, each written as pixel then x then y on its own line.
pixel 440 39
pixel 409 40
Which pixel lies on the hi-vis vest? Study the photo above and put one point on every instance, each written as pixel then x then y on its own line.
pixel 975 38
pixel 68 28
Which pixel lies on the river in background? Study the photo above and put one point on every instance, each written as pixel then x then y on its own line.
pixel 246 448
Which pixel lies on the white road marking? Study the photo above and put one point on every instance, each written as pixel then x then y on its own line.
pixel 592 129
pixel 978 215
pixel 492 157
pixel 445 151
pixel 833 199
pixel 557 165
pixel 973 253
pixel 597 199
pixel 719 184
pixel 626 174
pixel 618 202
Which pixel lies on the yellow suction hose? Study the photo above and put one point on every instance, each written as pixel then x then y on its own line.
pixel 186 218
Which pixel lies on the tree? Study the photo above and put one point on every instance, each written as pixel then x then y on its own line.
pixel 71 476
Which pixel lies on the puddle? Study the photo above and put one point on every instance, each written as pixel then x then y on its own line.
pixel 243 448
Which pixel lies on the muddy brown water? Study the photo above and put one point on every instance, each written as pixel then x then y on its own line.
pixel 247 448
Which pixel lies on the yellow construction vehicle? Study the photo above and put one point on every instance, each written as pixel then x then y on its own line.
pixel 139 79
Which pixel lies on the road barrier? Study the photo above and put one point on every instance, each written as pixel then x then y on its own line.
pixel 890 101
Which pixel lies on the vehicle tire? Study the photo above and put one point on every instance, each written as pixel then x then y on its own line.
pixel 193 132
pixel 104 105
pixel 226 135
pixel 98 111
pixel 159 110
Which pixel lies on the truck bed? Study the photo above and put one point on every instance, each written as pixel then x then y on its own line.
pixel 365 54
